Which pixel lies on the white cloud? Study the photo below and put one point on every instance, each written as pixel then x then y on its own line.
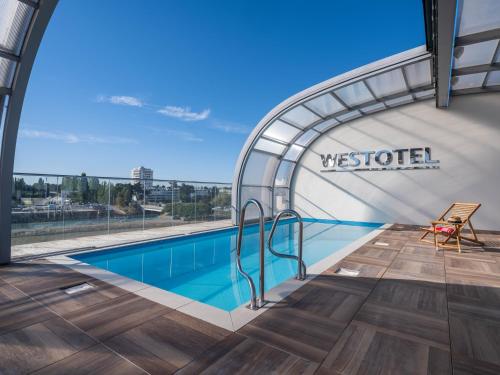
pixel 121 100
pixel 231 127
pixel 72 138
pixel 184 113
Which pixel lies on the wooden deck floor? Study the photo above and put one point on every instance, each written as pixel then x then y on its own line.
pixel 410 311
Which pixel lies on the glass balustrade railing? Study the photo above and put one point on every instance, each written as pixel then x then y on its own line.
pixel 53 207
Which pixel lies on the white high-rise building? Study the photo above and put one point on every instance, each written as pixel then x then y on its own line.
pixel 143 175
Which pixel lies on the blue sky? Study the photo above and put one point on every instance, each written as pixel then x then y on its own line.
pixel 177 85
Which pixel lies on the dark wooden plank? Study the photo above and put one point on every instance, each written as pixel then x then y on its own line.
pixel 424 328
pixel 17 310
pixel 366 270
pixel 34 278
pixel 115 316
pixel 167 343
pixel 475 338
pixel 301 333
pixel 413 270
pixel 418 297
pixel 329 303
pixel 466 267
pixel 377 255
pixel 39 345
pixel 365 350
pixel 63 303
pixel 94 360
pixel 240 355
pixel 420 253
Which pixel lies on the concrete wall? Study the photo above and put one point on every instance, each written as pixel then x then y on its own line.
pixel 465 138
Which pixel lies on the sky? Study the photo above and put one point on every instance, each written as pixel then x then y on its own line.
pixel 177 86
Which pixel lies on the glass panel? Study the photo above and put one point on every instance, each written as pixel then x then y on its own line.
pixel 293 152
pixel 467 81
pixel 269 146
pixel 221 203
pixel 281 131
pixel 281 199
pixel 263 195
pixel 7 69
pixel 388 83
pixel 424 94
pixel 127 201
pixel 399 101
pixel 475 54
pixel 325 105
pixel 349 116
pixel 493 78
pixel 300 116
pixel 259 169
pixel 284 173
pixel 47 208
pixel 354 94
pixel 478 15
pixel 326 125
pixel 14 21
pixel 307 137
pixel 160 200
pixel 37 214
pixel 373 108
pixel 418 74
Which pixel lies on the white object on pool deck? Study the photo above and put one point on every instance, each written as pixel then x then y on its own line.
pixel 347 272
pixel 78 288
pixel 381 243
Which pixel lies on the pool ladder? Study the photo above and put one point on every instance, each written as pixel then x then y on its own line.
pixel 301 267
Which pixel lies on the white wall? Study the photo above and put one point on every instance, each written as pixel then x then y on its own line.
pixel 465 138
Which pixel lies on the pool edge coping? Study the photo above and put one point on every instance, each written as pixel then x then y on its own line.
pixel 230 320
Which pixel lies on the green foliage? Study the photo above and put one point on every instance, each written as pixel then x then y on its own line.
pixel 222 199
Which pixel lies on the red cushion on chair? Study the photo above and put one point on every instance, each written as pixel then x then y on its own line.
pixel 448 230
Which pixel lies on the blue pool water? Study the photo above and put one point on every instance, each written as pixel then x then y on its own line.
pixel 202 266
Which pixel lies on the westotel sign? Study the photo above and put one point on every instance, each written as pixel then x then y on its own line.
pixel 381 160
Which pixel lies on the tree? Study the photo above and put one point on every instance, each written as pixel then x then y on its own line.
pixel 185 192
pixel 222 199
pixel 83 188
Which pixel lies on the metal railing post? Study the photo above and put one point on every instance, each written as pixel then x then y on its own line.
pixel 253 297
pixel 301 266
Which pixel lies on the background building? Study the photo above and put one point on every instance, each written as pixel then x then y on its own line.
pixel 143 175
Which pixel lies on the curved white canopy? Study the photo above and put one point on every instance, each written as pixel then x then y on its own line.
pixel 266 164
pixel 267 161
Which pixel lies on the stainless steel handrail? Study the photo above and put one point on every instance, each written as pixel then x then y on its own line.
pixel 301 266
pixel 253 300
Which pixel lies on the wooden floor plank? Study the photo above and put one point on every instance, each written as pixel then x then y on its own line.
pixel 167 343
pixel 365 350
pixel 242 355
pixel 94 360
pixel 38 345
pixel 63 303
pixel 115 316
pixel 18 310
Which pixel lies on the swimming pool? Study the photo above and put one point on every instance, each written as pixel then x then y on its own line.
pixel 202 266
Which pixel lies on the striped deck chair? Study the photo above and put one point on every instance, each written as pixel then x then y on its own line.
pixel 449 230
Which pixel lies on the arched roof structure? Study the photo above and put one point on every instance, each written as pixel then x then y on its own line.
pixel 461 57
pixel 22 25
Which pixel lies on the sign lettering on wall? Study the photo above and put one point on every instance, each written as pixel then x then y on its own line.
pixel 381 160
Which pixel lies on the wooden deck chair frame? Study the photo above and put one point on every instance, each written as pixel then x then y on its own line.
pixel 465 211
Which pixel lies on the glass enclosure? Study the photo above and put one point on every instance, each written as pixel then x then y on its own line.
pixel 55 207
